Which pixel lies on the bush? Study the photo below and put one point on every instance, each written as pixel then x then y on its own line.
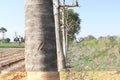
pixel 89 37
pixel 7 40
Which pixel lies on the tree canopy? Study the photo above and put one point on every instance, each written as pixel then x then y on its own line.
pixel 72 22
pixel 3 30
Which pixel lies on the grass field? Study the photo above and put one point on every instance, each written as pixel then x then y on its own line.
pixel 11 45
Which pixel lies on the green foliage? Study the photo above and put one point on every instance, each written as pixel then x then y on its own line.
pixel 90 37
pixel 11 45
pixel 7 40
pixel 3 30
pixel 95 54
pixel 72 22
pixel 22 39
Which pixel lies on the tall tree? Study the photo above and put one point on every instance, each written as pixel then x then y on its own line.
pixel 60 55
pixel 40 46
pixel 70 25
pixel 3 30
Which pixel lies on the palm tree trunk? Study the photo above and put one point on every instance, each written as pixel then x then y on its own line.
pixel 60 54
pixel 40 46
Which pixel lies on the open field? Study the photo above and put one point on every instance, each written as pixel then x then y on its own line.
pixel 11 59
pixel 12 68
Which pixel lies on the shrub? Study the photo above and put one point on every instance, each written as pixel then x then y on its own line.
pixel 7 40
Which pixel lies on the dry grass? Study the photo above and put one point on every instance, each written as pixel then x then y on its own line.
pixel 90 75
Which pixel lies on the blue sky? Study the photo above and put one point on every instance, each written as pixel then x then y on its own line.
pixel 99 17
pixel 12 17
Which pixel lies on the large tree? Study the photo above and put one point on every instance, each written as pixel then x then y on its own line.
pixel 40 46
pixel 3 30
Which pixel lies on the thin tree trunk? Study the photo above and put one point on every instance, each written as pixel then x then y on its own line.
pixel 3 35
pixel 60 55
pixel 63 30
pixel 66 35
pixel 40 46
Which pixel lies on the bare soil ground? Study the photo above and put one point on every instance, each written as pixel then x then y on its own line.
pixel 12 65
pixel 11 59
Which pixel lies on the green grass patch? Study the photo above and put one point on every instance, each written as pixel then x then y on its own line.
pixel 11 45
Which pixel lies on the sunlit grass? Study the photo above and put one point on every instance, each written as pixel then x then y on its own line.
pixel 90 75
pixel 11 45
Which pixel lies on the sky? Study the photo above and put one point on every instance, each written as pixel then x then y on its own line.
pixel 99 17
pixel 12 17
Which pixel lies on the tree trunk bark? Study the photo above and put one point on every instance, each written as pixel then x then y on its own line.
pixel 40 46
pixel 60 55
pixel 66 42
pixel 63 30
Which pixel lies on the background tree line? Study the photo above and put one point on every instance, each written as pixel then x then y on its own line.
pixel 3 31
pixel 7 40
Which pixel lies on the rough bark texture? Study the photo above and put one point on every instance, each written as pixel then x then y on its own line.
pixel 40 46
